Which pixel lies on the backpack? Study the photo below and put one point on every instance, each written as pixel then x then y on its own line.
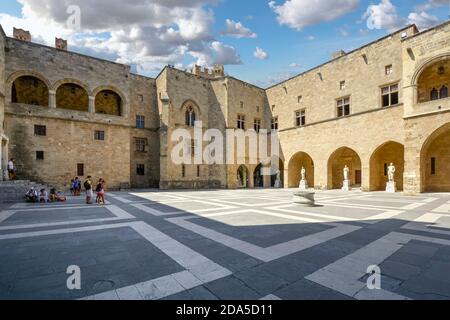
pixel 87 185
pixel 99 187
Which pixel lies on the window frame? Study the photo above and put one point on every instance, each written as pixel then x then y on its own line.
pixel 99 135
pixel 343 106
pixel 140 169
pixel 274 123
pixel 257 125
pixel 300 118
pixel 140 121
pixel 38 153
pixel 240 122
pixel 141 142
pixel 390 94
pixel 38 132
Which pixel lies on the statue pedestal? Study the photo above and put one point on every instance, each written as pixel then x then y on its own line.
pixel 391 187
pixel 303 185
pixel 278 184
pixel 347 186
pixel 304 198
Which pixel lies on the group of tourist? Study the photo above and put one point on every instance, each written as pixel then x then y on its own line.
pixel 100 189
pixel 43 197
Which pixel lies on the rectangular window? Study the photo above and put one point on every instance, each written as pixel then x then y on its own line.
pixel 390 95
pixel 193 145
pixel 343 107
pixel 388 70
pixel 274 123
pixel 241 122
pixel 99 135
pixel 257 125
pixel 300 118
pixel 198 171
pixel 140 98
pixel 39 155
pixel 257 109
pixel 80 169
pixel 140 170
pixel 433 166
pixel 40 130
pixel 183 171
pixel 140 144
pixel 299 99
pixel 342 85
pixel 242 104
pixel 140 122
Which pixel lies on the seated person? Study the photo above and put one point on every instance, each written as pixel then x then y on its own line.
pixel 56 196
pixel 31 195
pixel 43 196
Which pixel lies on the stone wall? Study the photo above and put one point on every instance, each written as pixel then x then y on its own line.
pixel 2 77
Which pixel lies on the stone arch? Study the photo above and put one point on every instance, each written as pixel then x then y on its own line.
pixel 389 152
pixel 29 94
pixel 258 178
pixel 297 161
pixel 190 112
pixel 243 177
pixel 434 161
pixel 337 161
pixel 432 79
pixel 109 100
pixel 71 94
pixel 273 178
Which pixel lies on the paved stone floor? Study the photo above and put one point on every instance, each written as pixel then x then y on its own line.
pixel 244 244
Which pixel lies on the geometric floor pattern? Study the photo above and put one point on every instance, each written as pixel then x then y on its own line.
pixel 228 244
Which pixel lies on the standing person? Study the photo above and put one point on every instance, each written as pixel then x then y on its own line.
pixel 89 192
pixel 11 169
pixel 100 189
pixel 76 186
pixel 72 187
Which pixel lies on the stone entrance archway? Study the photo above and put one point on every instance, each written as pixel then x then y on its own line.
pixel 434 161
pixel 338 160
pixel 389 152
pixel 242 177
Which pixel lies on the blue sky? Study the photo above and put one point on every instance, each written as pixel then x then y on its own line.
pixel 293 35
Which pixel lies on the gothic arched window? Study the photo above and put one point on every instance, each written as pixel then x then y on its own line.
pixel 434 95
pixel 190 117
pixel 443 93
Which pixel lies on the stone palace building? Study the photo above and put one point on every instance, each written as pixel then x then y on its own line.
pixel 63 114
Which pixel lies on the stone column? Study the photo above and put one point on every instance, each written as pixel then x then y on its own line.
pixel 4 157
pixel 91 104
pixel 52 99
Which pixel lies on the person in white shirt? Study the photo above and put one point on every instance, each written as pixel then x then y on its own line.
pixel 11 169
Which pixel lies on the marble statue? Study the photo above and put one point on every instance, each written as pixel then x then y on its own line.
pixel 391 186
pixel 391 172
pixel 346 172
pixel 303 173
pixel 346 184
pixel 303 183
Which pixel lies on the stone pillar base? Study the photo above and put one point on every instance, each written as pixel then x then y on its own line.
pixel 278 184
pixel 303 185
pixel 347 186
pixel 304 198
pixel 391 187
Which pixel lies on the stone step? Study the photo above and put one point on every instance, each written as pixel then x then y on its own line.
pixel 14 191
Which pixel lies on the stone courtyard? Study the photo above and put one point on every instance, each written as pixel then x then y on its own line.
pixel 228 244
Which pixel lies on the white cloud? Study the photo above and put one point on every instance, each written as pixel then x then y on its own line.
pixel 145 33
pixel 430 4
pixel 294 65
pixel 260 54
pixel 237 30
pixel 422 20
pixel 384 16
pixel 311 38
pixel 298 14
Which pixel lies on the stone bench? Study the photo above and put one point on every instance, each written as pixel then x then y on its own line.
pixel 304 198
